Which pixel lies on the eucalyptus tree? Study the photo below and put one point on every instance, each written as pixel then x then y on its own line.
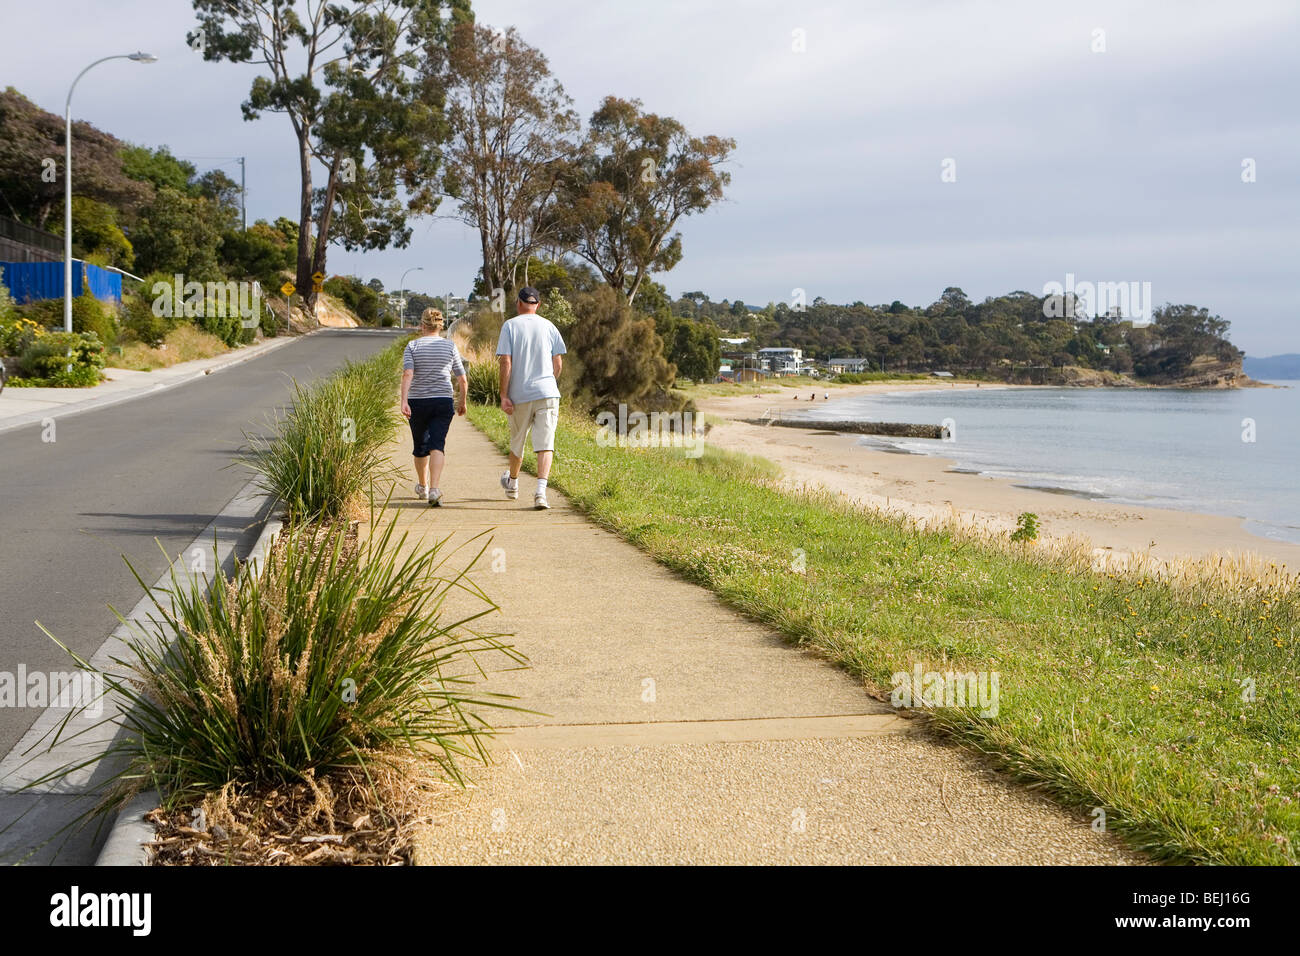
pixel 361 85
pixel 637 176
pixel 513 133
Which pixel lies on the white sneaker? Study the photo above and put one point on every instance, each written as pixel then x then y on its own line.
pixel 421 492
pixel 510 485
pixel 540 502
pixel 435 498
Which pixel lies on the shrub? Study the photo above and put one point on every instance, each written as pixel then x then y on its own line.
pixel 269 323
pixel 63 359
pixel 17 333
pixel 47 313
pixel 484 382
pixel 328 449
pixel 337 655
pixel 140 321
pixel 6 300
pixel 91 315
pixel 622 357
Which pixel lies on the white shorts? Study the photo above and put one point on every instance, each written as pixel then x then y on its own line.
pixel 541 416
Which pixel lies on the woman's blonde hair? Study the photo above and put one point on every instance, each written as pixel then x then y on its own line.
pixel 431 319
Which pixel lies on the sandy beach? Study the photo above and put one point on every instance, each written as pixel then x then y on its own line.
pixel 923 486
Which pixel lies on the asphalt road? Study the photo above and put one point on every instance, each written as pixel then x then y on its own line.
pixel 120 481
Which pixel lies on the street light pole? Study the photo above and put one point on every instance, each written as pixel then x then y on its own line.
pixel 402 294
pixel 67 179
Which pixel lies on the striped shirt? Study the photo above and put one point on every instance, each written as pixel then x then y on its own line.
pixel 434 360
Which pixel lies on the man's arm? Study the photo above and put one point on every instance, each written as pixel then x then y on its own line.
pixel 507 406
pixel 557 366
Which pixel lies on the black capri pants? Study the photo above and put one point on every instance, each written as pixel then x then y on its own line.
pixel 430 419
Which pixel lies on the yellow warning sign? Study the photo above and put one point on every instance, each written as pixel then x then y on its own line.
pixel 288 288
pixel 317 280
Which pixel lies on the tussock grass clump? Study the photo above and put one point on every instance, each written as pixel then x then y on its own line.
pixel 484 382
pixel 339 650
pixel 327 451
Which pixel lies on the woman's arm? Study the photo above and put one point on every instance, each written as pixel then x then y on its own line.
pixel 407 375
pixel 462 386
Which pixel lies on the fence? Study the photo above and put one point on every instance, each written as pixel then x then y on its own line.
pixel 29 281
pixel 22 243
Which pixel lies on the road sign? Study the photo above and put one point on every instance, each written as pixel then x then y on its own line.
pixel 317 280
pixel 288 288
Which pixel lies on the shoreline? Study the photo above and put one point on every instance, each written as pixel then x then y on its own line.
pixel 932 488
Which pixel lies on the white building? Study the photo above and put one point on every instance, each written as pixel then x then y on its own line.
pixel 851 366
pixel 781 361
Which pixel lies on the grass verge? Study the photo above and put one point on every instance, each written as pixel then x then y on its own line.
pixel 185 343
pixel 1167 703
pixel 327 451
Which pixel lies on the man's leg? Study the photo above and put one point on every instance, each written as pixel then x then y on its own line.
pixel 545 419
pixel 519 421
pixel 544 422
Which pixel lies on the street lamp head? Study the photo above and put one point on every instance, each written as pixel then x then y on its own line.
pixel 142 57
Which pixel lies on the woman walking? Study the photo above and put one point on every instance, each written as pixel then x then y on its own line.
pixel 429 364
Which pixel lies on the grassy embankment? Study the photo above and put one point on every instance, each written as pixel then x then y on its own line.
pixel 1119 691
pixel 185 343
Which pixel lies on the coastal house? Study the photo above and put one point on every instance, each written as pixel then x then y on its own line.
pixel 851 366
pixel 781 361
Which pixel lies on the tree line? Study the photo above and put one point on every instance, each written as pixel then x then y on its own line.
pixel 954 333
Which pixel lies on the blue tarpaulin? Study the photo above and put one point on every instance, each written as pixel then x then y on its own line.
pixel 29 281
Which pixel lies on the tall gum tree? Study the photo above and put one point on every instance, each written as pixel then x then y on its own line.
pixel 637 176
pixel 513 133
pixel 360 83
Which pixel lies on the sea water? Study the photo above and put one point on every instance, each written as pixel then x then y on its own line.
pixel 1233 452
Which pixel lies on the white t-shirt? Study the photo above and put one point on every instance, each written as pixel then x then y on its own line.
pixel 530 341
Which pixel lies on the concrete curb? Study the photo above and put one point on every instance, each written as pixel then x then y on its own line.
pixel 126 841
pixel 130 833
pixel 246 354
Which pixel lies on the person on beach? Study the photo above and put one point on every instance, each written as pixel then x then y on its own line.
pixel 529 350
pixel 429 364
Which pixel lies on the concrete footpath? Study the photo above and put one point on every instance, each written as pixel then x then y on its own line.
pixel 678 731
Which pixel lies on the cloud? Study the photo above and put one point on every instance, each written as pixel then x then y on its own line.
pixel 1123 164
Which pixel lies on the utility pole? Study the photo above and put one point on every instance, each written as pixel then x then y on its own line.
pixel 243 196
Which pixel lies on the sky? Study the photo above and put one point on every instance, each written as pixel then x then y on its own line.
pixel 885 150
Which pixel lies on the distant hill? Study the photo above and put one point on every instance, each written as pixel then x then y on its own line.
pixel 1275 367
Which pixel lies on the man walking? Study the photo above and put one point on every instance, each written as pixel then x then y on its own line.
pixel 529 351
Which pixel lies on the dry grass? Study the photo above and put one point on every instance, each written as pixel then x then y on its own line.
pixel 185 343
pixel 344 818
